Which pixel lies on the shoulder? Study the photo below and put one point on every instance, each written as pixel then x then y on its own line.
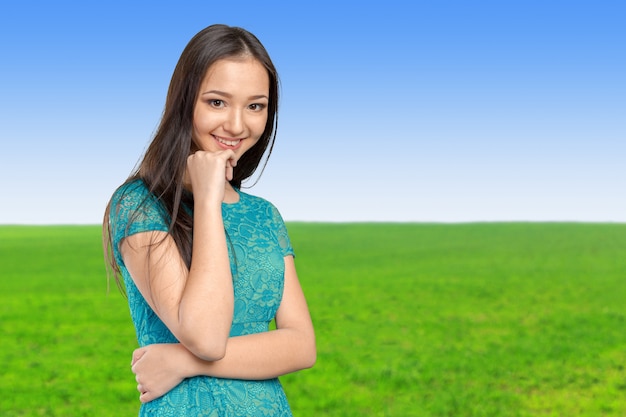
pixel 258 203
pixel 264 211
pixel 134 206
pixel 267 215
pixel 131 190
pixel 135 195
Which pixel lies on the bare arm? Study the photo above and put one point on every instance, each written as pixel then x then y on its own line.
pixel 289 348
pixel 178 295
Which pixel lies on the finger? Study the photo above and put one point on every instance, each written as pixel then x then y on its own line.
pixel 229 171
pixel 229 156
pixel 145 397
pixel 137 354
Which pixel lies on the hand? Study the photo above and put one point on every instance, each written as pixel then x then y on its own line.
pixel 158 369
pixel 208 173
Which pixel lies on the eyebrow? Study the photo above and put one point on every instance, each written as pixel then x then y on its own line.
pixel 228 95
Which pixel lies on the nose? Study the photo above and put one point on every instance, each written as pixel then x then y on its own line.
pixel 234 123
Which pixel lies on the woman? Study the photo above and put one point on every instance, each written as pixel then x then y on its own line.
pixel 205 266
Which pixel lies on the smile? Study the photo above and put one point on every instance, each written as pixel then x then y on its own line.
pixel 226 142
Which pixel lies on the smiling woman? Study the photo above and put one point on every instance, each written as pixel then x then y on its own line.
pixel 231 109
pixel 205 266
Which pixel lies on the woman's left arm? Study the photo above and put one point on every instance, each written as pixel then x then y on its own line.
pixel 289 348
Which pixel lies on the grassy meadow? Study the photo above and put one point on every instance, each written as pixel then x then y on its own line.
pixel 483 319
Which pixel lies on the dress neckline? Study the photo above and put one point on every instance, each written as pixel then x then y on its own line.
pixel 234 202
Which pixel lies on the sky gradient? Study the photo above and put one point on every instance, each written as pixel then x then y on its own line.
pixel 447 111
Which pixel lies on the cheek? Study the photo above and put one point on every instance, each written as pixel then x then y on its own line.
pixel 198 122
pixel 195 133
pixel 194 122
pixel 202 120
pixel 259 126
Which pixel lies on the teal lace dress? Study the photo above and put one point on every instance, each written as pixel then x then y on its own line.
pixel 257 243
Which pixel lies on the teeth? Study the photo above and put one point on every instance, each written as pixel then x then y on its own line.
pixel 228 142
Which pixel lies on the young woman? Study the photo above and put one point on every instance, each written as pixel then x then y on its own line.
pixel 205 266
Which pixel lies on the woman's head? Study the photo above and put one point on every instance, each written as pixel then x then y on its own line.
pixel 173 142
pixel 231 109
pixel 165 161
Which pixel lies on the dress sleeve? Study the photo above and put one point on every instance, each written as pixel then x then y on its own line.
pixel 134 210
pixel 281 232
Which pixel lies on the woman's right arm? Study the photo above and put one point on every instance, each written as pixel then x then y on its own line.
pixel 195 304
pixel 289 348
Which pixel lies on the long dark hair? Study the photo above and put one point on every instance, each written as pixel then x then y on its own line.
pixel 164 163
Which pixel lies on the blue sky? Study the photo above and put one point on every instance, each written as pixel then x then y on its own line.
pixel 446 111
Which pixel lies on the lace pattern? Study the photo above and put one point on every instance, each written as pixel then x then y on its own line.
pixel 257 243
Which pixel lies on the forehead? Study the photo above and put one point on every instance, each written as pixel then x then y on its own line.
pixel 237 74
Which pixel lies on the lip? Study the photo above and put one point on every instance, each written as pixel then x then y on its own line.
pixel 220 141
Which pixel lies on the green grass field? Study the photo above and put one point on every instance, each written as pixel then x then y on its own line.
pixel 493 319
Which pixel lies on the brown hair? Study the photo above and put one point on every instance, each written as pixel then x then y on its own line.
pixel 164 163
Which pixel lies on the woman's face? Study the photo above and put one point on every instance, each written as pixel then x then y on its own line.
pixel 231 108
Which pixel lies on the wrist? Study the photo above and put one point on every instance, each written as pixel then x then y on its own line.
pixel 188 363
pixel 207 204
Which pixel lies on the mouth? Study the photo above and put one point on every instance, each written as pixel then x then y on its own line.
pixel 228 143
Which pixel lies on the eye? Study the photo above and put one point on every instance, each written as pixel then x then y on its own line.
pixel 257 106
pixel 218 104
